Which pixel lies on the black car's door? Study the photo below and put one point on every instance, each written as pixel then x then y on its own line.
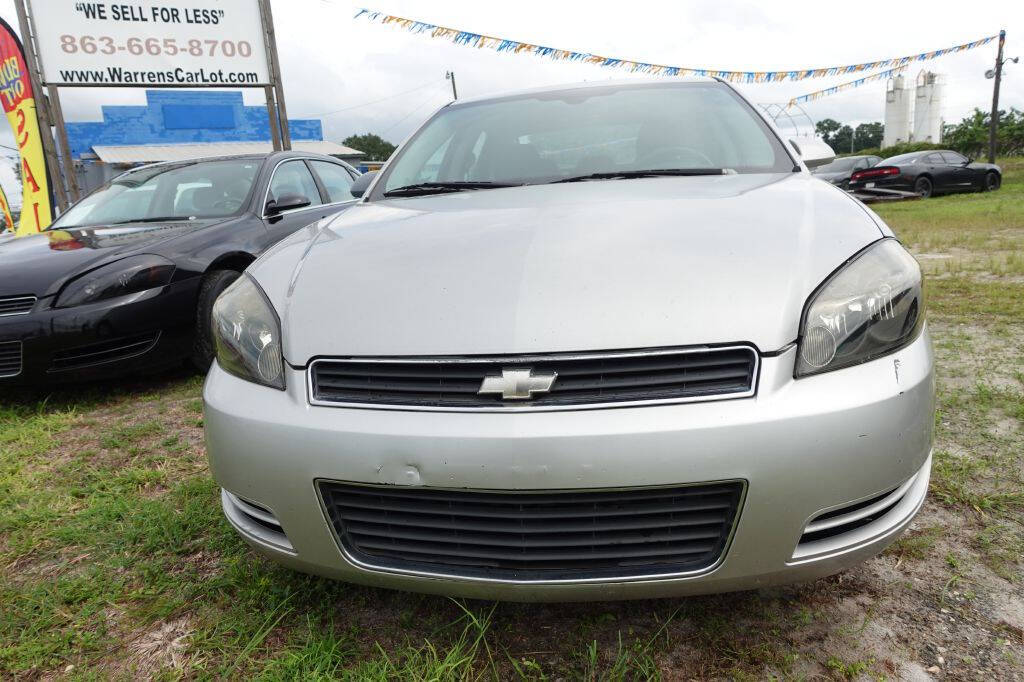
pixel 293 177
pixel 935 166
pixel 961 175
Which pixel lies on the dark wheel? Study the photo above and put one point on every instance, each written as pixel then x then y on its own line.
pixel 214 283
pixel 992 181
pixel 923 187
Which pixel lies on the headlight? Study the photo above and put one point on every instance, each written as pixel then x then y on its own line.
pixel 247 333
pixel 127 276
pixel 870 307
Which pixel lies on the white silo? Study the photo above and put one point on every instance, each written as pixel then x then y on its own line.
pixel 928 107
pixel 898 102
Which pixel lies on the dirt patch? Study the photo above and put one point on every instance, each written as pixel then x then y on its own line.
pixel 161 647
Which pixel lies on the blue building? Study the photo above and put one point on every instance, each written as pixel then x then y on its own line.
pixel 181 124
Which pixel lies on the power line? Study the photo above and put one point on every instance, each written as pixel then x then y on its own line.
pixel 365 104
pixel 417 108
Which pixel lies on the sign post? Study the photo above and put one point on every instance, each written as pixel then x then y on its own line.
pixel 275 66
pixel 62 140
pixel 45 136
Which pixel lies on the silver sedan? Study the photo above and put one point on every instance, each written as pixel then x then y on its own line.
pixel 600 341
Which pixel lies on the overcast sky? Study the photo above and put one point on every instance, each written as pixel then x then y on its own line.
pixel 383 80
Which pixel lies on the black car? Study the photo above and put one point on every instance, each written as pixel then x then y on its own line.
pixel 124 280
pixel 839 171
pixel 929 172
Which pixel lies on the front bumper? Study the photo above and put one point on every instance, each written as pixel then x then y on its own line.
pixel 146 331
pixel 802 447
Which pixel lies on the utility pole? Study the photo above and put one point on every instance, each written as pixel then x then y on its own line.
pixel 450 75
pixel 993 124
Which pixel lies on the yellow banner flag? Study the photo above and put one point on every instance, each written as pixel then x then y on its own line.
pixel 19 105
pixel 6 221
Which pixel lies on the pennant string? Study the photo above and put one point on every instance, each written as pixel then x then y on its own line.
pixel 849 85
pixel 470 39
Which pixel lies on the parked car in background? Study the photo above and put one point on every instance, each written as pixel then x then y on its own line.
pixel 929 172
pixel 125 280
pixel 592 342
pixel 839 171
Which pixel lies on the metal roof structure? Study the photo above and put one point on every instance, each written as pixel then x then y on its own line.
pixel 152 153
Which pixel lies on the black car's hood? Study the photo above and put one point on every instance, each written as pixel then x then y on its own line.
pixel 40 264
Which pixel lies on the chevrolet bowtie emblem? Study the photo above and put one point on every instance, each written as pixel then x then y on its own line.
pixel 517 384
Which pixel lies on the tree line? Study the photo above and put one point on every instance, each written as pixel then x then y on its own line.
pixel 969 136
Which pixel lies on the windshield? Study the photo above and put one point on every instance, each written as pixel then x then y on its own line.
pixel 204 189
pixel 541 138
pixel 901 159
pixel 838 166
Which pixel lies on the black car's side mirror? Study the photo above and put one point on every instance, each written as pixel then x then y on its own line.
pixel 358 188
pixel 968 162
pixel 287 202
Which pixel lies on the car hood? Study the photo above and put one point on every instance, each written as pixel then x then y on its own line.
pixel 41 263
pixel 567 267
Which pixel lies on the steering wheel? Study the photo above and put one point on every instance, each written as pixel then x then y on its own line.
pixel 672 154
pixel 227 204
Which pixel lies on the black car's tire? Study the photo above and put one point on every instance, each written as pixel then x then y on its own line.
pixel 992 181
pixel 213 284
pixel 923 186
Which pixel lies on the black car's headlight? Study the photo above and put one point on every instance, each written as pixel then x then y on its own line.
pixel 870 307
pixel 127 276
pixel 247 333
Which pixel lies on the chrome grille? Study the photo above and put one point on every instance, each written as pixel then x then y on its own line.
pixel 581 379
pixel 536 535
pixel 10 358
pixel 16 305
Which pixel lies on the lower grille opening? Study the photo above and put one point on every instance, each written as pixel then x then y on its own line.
pixel 256 520
pixel 853 516
pixel 10 358
pixel 105 351
pixel 535 535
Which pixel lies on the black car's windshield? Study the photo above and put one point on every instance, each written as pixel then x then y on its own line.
pixel 621 131
pixel 838 166
pixel 203 189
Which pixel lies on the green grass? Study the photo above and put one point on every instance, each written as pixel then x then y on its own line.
pixel 114 557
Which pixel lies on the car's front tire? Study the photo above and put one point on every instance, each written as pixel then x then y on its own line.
pixel 992 181
pixel 923 187
pixel 214 283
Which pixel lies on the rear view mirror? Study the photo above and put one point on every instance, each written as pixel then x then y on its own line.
pixel 360 185
pixel 813 152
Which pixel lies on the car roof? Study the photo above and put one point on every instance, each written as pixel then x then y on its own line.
pixel 566 87
pixel 269 156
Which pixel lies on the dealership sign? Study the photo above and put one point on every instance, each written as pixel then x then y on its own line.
pixel 190 43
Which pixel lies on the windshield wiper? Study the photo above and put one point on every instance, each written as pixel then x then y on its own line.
pixel 441 187
pixel 154 219
pixel 652 173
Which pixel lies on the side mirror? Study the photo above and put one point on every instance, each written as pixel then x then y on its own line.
pixel 288 202
pixel 968 162
pixel 813 152
pixel 362 183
